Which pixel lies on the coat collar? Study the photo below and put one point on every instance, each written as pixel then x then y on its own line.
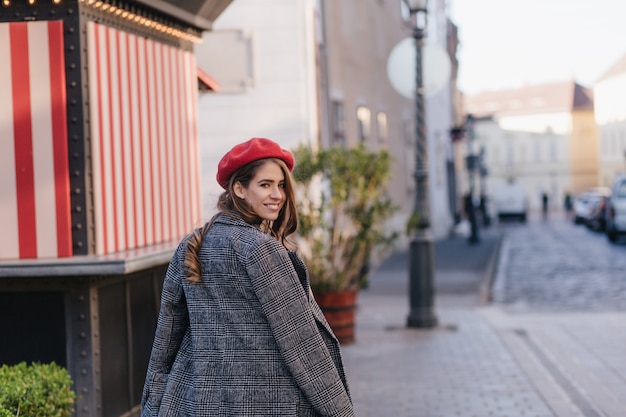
pixel 232 220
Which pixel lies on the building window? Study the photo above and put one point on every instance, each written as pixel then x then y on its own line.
pixel 509 154
pixel 338 123
pixel 537 150
pixel 381 123
pixel 496 156
pixel 363 116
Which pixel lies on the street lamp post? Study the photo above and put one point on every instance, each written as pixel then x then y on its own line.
pixel 421 255
pixel 471 162
pixel 483 171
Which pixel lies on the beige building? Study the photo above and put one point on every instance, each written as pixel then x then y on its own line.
pixel 358 103
pixel 610 116
pixel 543 136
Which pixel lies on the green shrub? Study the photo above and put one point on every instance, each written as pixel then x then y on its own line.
pixel 342 209
pixel 35 390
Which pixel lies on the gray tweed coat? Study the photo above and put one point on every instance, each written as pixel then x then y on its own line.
pixel 248 340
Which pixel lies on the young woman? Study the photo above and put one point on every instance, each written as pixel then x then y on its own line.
pixel 239 333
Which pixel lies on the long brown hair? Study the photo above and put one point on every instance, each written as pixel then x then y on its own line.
pixel 281 228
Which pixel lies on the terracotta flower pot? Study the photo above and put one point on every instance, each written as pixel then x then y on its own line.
pixel 339 308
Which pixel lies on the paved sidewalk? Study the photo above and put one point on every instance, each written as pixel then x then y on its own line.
pixel 482 360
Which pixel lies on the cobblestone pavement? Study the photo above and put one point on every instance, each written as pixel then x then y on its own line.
pixel 507 359
pixel 557 265
pixel 462 368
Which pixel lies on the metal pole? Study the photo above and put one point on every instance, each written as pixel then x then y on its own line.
pixel 421 255
pixel 484 210
pixel 471 168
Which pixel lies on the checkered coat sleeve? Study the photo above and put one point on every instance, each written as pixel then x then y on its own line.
pixel 248 340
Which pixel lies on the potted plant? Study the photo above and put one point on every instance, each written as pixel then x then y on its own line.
pixel 342 209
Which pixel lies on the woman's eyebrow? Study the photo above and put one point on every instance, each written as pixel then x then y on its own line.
pixel 272 179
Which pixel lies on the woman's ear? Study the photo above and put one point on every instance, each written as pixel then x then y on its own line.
pixel 239 190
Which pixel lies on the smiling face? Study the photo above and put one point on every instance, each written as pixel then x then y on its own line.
pixel 265 193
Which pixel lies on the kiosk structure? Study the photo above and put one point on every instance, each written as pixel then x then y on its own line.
pixel 99 180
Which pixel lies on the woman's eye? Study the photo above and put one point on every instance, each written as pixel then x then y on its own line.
pixel 281 185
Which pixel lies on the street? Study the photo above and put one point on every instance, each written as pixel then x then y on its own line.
pixel 549 344
pixel 557 265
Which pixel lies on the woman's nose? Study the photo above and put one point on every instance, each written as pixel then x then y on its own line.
pixel 276 192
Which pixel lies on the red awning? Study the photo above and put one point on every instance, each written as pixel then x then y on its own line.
pixel 206 81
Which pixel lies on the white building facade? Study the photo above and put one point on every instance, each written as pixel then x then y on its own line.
pixel 539 136
pixel 263 55
pixel 538 161
pixel 314 71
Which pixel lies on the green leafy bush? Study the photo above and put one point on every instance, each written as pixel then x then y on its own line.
pixel 35 390
pixel 342 209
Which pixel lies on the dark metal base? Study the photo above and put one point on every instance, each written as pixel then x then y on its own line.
pixel 421 283
pixel 423 320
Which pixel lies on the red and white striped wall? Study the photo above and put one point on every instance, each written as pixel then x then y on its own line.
pixel 35 218
pixel 144 147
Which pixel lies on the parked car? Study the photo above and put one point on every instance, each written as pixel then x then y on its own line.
pixel 584 203
pixel 596 220
pixel 616 209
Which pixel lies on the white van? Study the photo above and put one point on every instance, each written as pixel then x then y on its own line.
pixel 510 200
pixel 616 209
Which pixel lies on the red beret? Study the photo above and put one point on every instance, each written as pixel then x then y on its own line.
pixel 246 152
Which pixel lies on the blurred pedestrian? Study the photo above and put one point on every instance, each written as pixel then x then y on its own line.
pixel 239 332
pixel 569 205
pixel 544 204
